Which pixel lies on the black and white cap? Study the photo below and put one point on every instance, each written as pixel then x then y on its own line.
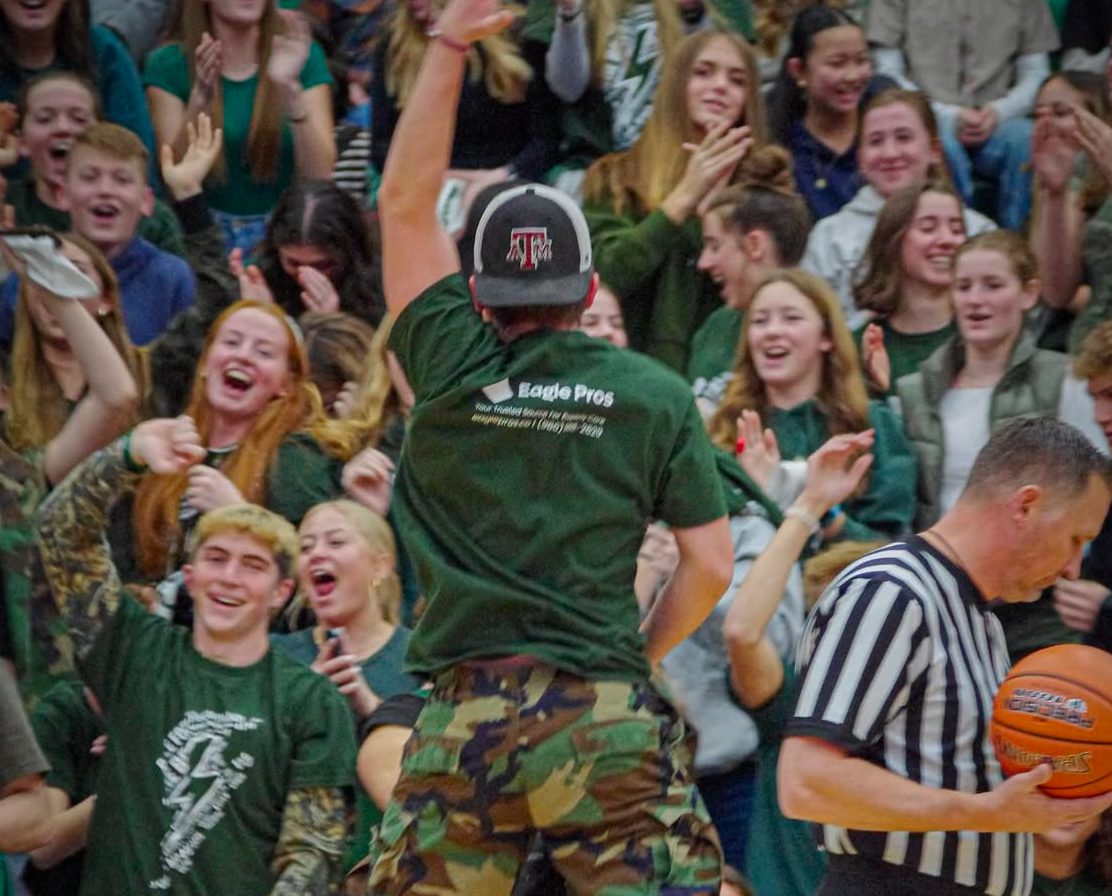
pixel 532 247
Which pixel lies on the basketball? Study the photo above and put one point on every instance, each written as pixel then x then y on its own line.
pixel 1056 706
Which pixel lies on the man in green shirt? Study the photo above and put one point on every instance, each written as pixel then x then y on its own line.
pixel 228 764
pixel 534 459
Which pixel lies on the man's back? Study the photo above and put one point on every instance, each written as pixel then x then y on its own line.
pixel 570 447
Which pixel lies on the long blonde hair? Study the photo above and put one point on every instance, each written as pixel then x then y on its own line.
pixel 497 59
pixel 265 132
pixel 841 398
pixel 641 177
pixel 158 498
pixel 378 403
pixel 37 409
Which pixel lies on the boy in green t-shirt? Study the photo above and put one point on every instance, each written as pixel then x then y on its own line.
pixel 228 764
pixel 534 458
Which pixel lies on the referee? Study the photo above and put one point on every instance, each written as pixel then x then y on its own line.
pixel 888 749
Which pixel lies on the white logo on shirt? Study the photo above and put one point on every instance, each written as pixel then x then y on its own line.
pixel 198 781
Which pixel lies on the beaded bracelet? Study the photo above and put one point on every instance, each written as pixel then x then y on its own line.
pixel 808 519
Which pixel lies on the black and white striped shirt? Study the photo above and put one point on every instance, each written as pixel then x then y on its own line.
pixel 900 662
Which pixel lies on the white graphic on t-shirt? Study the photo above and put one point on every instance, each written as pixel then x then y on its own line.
pixel 631 74
pixel 499 392
pixel 198 781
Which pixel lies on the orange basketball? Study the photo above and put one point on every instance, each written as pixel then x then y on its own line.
pixel 1056 706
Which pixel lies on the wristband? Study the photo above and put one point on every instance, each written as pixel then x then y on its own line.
pixel 808 519
pixel 129 459
pixel 435 33
pixel 830 515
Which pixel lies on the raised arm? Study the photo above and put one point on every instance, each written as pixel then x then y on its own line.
pixel 307 859
pixel 756 670
pixel 309 112
pixel 73 518
pixel 110 403
pixel 416 251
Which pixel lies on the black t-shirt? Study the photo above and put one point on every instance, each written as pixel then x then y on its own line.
pixel 1087 25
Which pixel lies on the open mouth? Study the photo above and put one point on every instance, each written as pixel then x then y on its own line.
pixel 323 581
pixel 977 317
pixel 59 150
pixel 32 4
pixel 224 601
pixel 104 213
pixel 775 354
pixel 237 380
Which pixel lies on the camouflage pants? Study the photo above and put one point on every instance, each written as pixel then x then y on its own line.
pixel 500 752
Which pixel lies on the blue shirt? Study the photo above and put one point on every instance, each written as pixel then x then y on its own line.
pixel 155 287
pixel 825 179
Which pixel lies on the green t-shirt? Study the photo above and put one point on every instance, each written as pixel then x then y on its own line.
pixel 1084 884
pixel 200 759
pixel 160 228
pixel 239 193
pixel 906 351
pixel 714 345
pixel 530 471
pixel 782 857
pixel 382 670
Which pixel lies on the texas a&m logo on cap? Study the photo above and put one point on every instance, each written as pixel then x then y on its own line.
pixel 529 246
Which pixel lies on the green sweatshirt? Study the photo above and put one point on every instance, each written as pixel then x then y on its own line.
pixel 886 506
pixel 649 263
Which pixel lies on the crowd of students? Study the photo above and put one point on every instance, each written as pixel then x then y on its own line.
pixel 845 238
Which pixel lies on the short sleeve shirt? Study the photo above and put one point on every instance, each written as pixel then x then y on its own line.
pixel 19 753
pixel 200 760
pixel 238 192
pixel 527 478
pixel 960 52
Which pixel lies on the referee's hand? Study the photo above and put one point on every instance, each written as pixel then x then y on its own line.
pixel 1018 805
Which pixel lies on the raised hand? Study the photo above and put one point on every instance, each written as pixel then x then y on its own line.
pixel 875 360
pixel 252 284
pixel 167 445
pixel 369 479
pixel 468 21
pixel 835 470
pixel 1095 138
pixel 758 452
pixel 208 489
pixel 208 60
pixel 289 50
pixel 184 179
pixel 344 402
pixel 710 165
pixel 317 291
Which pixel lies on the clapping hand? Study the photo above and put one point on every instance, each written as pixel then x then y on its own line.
pixel 835 470
pixel 758 452
pixel 208 60
pixel 252 284
pixel 184 179
pixel 875 360
pixel 289 50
